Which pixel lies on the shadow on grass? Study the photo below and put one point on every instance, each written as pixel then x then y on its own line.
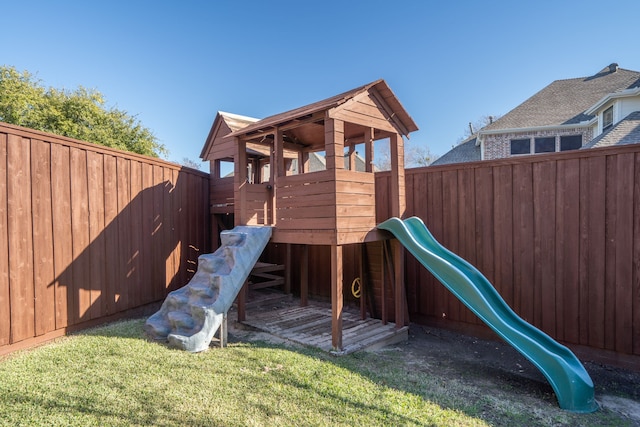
pixel 482 390
pixel 349 389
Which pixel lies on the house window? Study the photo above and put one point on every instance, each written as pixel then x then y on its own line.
pixel 607 118
pixel 520 146
pixel 570 142
pixel 545 145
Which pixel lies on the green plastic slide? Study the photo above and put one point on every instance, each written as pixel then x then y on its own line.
pixel 570 381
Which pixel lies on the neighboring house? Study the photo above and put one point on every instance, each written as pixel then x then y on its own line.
pixel 586 112
pixel 467 151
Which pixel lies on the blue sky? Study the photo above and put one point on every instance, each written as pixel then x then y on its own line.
pixel 174 64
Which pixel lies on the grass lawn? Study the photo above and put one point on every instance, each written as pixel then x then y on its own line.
pixel 112 376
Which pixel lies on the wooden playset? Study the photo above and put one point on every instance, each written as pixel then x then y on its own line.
pixel 308 173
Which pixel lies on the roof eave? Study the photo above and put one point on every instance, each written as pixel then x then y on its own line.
pixel 482 134
pixel 210 137
pixel 615 95
pixel 273 121
pixel 394 104
pixel 220 117
pixel 268 123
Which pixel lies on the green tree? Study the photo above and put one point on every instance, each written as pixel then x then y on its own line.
pixel 80 114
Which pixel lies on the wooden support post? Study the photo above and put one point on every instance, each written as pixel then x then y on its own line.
pixel 278 149
pixel 352 157
pixel 398 209
pixel 336 297
pixel 273 160
pixel 276 170
pixel 304 276
pixel 255 171
pixel 383 283
pixel 215 169
pixel 334 143
pixel 304 162
pixel 398 269
pixel 224 331
pixel 242 302
pixel 287 269
pixel 361 274
pixel 265 208
pixel 301 162
pixel 215 232
pixel 368 149
pixel 240 181
pixel 270 204
pixel 398 199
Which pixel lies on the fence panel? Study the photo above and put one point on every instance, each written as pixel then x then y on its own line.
pixel 558 236
pixel 5 303
pixel 88 233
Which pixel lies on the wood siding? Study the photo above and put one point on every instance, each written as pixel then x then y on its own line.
pixel 558 236
pixel 355 201
pixel 87 233
pixel 364 109
pixel 256 204
pixel 306 202
pixel 338 201
pixel 221 196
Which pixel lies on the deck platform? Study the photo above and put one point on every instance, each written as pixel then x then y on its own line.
pixel 281 315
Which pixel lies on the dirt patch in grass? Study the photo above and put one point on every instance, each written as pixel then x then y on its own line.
pixel 499 368
pixel 498 383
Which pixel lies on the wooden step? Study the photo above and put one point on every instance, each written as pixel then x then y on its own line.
pixel 262 276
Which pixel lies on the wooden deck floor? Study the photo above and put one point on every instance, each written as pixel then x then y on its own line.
pixel 283 317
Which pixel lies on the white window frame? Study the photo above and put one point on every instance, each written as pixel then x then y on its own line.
pixel 603 127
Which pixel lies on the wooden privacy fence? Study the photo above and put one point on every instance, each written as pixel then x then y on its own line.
pixel 88 233
pixel 558 236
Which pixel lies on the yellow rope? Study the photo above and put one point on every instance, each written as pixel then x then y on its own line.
pixel 356 287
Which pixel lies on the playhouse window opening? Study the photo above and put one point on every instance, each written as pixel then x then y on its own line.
pixel 225 168
pixel 291 167
pixel 317 161
pixel 382 154
pixel 265 171
pixel 353 156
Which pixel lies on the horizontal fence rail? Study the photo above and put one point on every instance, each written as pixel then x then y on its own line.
pixel 87 232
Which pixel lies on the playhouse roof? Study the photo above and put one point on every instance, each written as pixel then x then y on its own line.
pixel 233 122
pixel 236 121
pixel 379 87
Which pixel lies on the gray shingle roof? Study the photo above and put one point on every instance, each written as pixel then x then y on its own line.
pixel 564 102
pixel 464 152
pixel 626 131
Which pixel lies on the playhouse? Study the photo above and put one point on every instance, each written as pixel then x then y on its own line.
pixel 308 173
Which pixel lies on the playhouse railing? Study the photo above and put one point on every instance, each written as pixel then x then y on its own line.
pixel 325 200
pixel 255 204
